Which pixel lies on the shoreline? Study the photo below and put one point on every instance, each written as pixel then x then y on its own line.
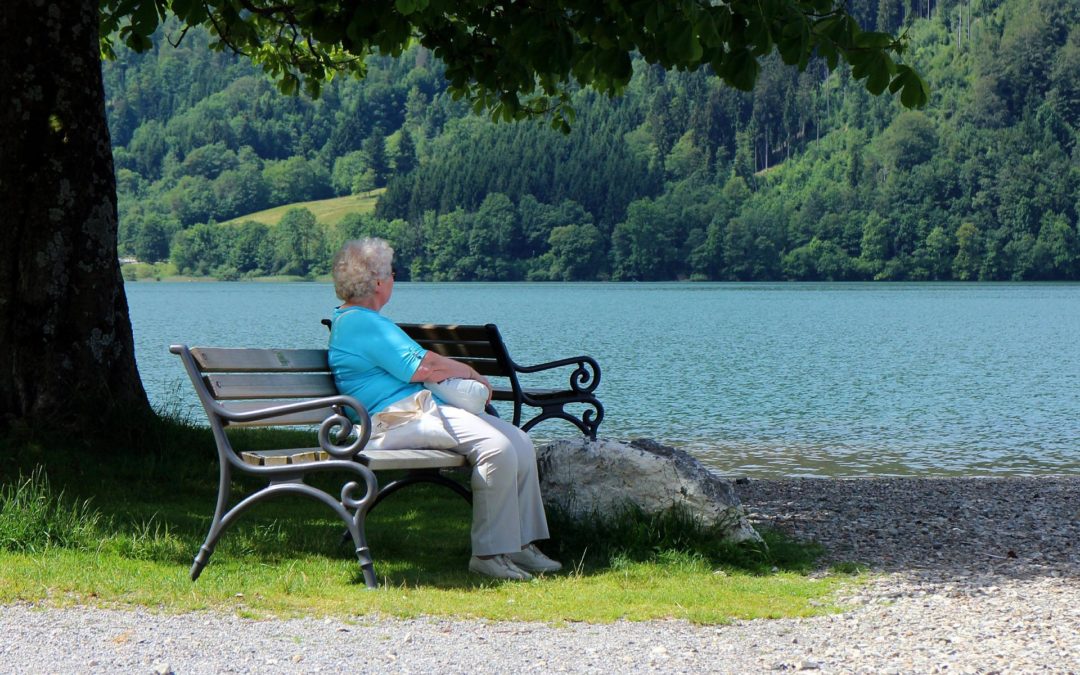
pixel 326 278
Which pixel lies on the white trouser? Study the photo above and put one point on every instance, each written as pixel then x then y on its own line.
pixel 507 510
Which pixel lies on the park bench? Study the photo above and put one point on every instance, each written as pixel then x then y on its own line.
pixel 294 387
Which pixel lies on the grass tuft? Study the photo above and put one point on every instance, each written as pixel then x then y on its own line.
pixel 151 540
pixel 33 517
pixel 849 568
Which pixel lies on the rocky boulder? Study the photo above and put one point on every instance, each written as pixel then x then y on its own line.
pixel 587 478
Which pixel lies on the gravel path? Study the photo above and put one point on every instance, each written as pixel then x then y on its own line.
pixel 980 576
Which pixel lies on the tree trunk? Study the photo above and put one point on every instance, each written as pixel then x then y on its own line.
pixel 66 351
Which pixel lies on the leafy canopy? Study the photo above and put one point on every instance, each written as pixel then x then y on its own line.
pixel 518 59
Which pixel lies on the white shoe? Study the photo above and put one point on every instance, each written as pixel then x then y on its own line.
pixel 499 567
pixel 530 558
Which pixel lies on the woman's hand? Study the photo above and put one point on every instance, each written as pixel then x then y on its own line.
pixel 484 381
pixel 436 368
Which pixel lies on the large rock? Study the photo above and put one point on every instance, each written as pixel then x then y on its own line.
pixel 587 478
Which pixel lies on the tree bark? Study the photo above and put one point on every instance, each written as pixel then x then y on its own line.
pixel 66 351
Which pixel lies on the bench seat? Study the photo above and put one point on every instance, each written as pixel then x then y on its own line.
pixel 376 460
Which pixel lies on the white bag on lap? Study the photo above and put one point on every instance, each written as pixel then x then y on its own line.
pixel 469 395
pixel 412 422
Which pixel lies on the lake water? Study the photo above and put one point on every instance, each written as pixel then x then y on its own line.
pixel 755 379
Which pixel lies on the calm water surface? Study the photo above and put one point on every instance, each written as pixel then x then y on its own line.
pixel 756 379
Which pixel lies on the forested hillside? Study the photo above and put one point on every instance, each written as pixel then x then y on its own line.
pixel 807 177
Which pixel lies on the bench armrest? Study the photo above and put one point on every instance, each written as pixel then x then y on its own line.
pixel 333 431
pixel 584 379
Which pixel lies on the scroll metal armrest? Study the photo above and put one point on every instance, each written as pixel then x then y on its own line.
pixel 331 441
pixel 584 379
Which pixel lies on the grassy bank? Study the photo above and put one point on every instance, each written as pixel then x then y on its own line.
pixel 326 211
pixel 122 533
pixel 166 272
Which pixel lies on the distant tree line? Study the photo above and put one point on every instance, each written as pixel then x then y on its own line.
pixel 807 177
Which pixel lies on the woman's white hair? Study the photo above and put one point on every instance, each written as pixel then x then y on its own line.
pixel 358 265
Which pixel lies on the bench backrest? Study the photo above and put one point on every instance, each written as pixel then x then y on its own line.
pixel 481 347
pixel 250 379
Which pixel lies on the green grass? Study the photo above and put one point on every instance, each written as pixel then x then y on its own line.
pixel 124 535
pixel 327 211
pixel 34 518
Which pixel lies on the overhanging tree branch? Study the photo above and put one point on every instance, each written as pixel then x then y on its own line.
pixel 495 54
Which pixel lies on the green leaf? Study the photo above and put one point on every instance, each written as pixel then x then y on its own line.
pixel 828 52
pixel 722 17
pixel 740 69
pixel 871 40
pixel 824 26
pixel 685 46
pixel 759 35
pixel 707 31
pixel 915 93
pixel 840 29
pixel 289 84
pixel 624 68
pixel 876 66
pixel 794 43
pixel 182 8
pixel 144 20
pixel 139 43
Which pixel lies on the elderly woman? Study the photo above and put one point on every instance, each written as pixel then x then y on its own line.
pixel 377 363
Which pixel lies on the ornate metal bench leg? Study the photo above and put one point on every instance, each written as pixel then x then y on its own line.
pixel 363 554
pixel 217 528
pixel 593 423
pixel 201 559
pixel 217 525
pixel 368 568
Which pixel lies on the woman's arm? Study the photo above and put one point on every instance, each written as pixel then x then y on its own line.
pixel 436 368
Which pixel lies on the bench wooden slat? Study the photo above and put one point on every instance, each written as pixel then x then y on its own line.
pixel 383 460
pixel 507 393
pixel 212 360
pixel 270 386
pixel 312 417
pixel 376 460
pixel 487 367
pixel 445 333
pixel 464 348
pixel 284 456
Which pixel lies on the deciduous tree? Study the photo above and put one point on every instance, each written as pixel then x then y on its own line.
pixel 65 335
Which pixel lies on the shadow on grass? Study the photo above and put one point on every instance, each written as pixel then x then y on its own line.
pixel 152 494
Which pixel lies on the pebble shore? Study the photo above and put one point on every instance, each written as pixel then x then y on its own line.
pixel 978 575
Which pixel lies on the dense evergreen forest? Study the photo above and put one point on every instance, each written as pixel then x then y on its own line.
pixel 806 177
